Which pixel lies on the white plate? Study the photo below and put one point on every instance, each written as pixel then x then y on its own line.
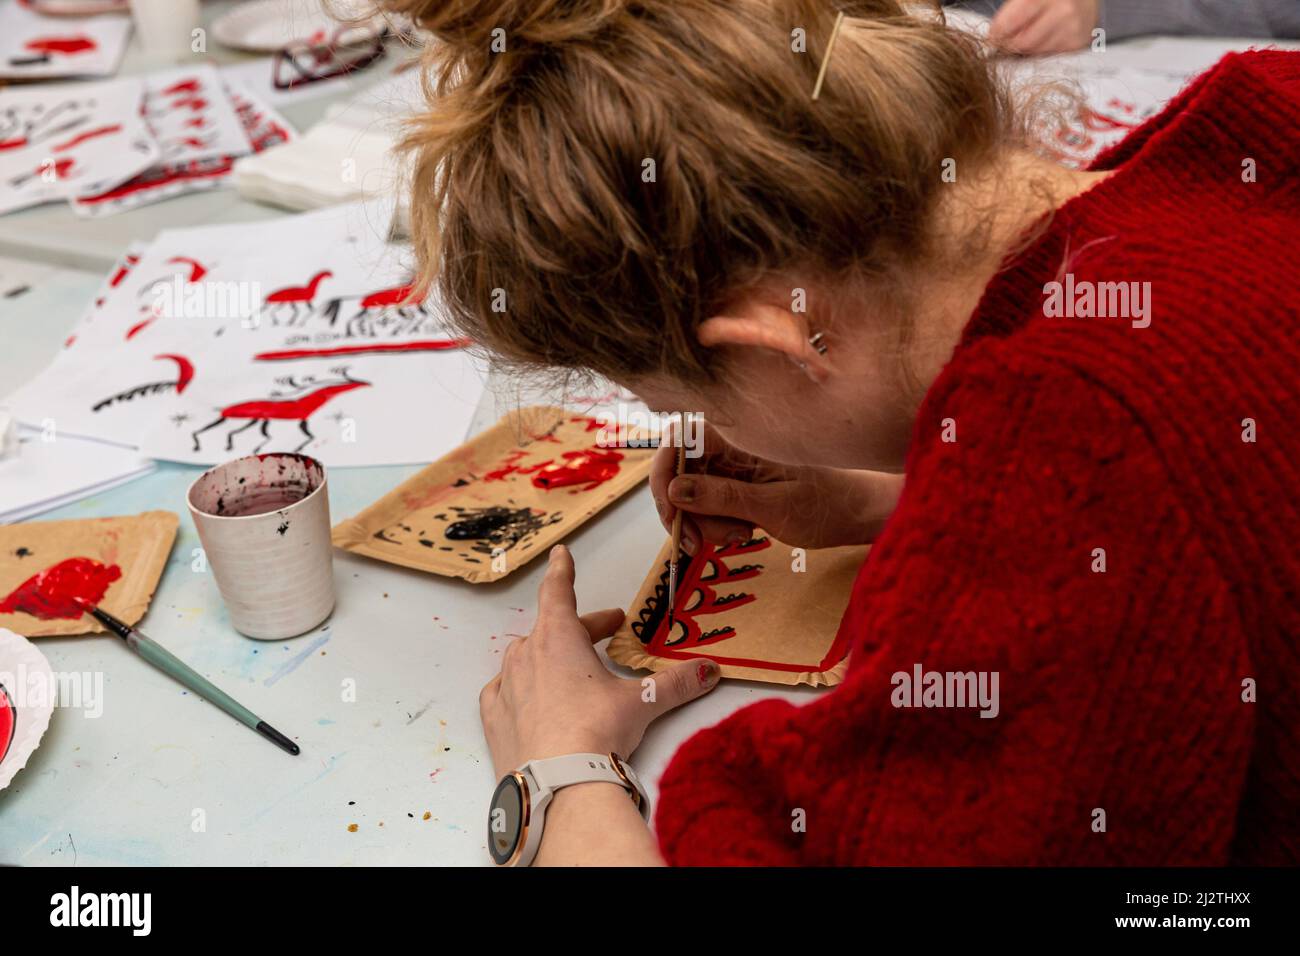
pixel 21 667
pixel 266 26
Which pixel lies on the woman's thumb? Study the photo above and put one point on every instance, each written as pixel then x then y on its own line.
pixel 679 684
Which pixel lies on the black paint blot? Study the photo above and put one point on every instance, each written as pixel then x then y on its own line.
pixel 282 529
pixel 23 552
pixel 496 527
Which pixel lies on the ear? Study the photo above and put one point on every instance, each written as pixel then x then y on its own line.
pixel 766 327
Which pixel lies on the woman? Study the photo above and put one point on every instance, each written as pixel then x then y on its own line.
pixel 1098 503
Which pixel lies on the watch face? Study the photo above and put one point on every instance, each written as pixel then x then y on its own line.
pixel 507 819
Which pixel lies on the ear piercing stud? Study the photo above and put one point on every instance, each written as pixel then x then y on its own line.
pixel 817 341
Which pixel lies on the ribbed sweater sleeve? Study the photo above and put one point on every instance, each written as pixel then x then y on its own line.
pixel 993 563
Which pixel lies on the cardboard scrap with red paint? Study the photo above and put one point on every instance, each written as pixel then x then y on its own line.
pixel 296 335
pixel 498 501
pixel 762 610
pixel 136 545
pixel 61 141
pixel 33 46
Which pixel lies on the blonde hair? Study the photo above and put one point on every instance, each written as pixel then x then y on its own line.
pixel 594 177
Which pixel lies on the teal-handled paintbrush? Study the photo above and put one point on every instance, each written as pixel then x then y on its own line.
pixel 168 663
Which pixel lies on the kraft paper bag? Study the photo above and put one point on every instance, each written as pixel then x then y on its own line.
pixel 137 545
pixel 748 608
pixel 492 505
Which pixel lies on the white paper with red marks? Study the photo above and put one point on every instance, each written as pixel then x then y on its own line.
pixel 63 140
pixel 38 47
pixel 290 334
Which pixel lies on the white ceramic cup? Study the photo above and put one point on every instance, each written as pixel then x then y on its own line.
pixel 264 522
pixel 166 26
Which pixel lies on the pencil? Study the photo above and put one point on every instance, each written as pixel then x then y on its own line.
pixel 165 661
pixel 677 540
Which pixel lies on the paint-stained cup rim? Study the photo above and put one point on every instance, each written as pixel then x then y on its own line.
pixel 307 461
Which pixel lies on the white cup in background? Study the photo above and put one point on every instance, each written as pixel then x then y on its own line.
pixel 264 522
pixel 166 27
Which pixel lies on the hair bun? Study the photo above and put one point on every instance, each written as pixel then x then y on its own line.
pixel 471 23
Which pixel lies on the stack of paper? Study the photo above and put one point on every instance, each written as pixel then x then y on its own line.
pixel 348 156
pixel 48 470
pixel 110 146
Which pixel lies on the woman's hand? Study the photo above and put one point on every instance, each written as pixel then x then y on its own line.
pixel 728 493
pixel 555 697
pixel 1034 27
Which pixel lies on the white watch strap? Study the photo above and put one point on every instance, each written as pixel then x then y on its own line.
pixel 555 772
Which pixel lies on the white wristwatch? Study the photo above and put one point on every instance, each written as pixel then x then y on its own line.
pixel 519 803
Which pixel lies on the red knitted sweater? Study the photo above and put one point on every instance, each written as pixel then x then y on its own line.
pixel 1120 690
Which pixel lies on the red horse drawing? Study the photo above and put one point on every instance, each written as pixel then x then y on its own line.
pixel 304 398
pixel 294 296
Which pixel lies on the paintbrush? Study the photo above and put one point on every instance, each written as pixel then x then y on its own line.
pixel 165 661
pixel 677 540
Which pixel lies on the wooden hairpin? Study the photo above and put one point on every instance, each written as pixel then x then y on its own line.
pixel 826 60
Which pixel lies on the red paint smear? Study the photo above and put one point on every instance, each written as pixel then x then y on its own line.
pixel 426 345
pixel 591 468
pixel 123 270
pixel 387 297
pixel 1101 123
pixel 7 721
pixel 197 269
pixel 130 333
pixel 184 369
pixel 13 143
pixel 62 167
pixel 298 408
pixel 507 468
pixel 89 134
pixel 182 86
pixel 193 172
pixel 68 45
pixel 61 591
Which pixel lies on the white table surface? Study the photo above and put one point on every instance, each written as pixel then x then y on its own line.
pixel 126 787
